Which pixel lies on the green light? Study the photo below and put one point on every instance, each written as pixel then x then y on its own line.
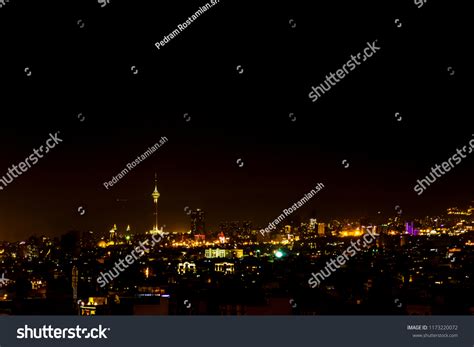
pixel 127 237
pixel 278 254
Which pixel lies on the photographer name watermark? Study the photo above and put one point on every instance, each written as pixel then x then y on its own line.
pixel 292 208
pixel 181 27
pixel 135 162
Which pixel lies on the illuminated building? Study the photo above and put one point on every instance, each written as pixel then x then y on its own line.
pixel 113 234
pixel 313 222
pixel 223 253
pixel 351 232
pixel 321 229
pixel 409 229
pixel 459 212
pixel 93 306
pixel 217 253
pixel 186 267
pixel 222 238
pixel 226 268
pixel 155 195
pixel 144 291
pixel 127 236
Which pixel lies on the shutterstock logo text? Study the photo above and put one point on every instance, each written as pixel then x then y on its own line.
pixel 48 332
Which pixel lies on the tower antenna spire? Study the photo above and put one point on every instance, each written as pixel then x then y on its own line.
pixel 155 196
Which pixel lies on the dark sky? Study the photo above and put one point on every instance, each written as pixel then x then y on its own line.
pixel 233 115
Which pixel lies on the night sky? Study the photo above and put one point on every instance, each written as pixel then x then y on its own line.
pixel 88 70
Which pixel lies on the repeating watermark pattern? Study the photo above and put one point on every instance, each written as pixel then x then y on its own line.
pixel 439 170
pixel 4 281
pixel 420 3
pixel 49 332
pixel 135 162
pixel 181 27
pixel 398 209
pixel 29 161
pixel 103 3
pixel 293 208
pixel 316 278
pixel 137 253
pixel 351 65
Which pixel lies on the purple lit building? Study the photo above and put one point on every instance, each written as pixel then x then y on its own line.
pixel 409 229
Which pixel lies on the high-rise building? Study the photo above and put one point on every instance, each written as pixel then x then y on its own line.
pixel 197 222
pixel 409 229
pixel 321 229
pixel 155 195
pixel 313 223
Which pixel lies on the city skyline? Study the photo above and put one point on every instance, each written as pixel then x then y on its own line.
pixel 185 225
pixel 179 166
pixel 389 133
pixel 135 273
